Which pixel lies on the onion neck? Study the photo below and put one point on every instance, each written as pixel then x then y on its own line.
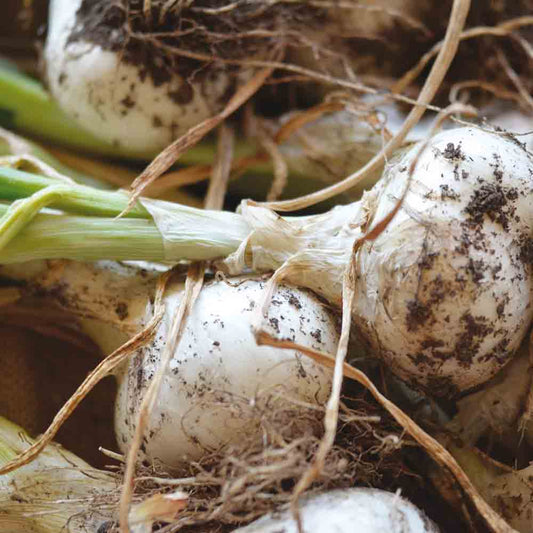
pixel 312 250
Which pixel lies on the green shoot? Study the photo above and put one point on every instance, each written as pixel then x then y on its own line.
pixel 27 234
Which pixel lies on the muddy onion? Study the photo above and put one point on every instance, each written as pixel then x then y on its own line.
pixel 444 293
pixel 218 366
pixel 100 77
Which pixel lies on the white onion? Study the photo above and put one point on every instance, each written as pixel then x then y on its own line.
pixel 119 101
pixel 358 510
pixel 218 366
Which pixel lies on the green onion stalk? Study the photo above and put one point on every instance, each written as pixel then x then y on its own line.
pixel 30 148
pixel 90 227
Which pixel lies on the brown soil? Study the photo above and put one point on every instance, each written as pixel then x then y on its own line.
pixel 161 43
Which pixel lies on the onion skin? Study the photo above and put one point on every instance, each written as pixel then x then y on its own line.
pixel 358 510
pixel 218 365
pixel 30 494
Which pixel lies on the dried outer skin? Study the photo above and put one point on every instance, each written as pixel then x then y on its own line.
pixel 218 368
pixel 113 99
pixel 57 491
pixel 443 294
pixel 313 251
pixel 348 511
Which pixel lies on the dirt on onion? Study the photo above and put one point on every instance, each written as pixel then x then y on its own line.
pixel 199 55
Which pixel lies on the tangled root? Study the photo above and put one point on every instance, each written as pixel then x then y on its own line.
pixel 318 40
pixel 184 36
pixel 243 481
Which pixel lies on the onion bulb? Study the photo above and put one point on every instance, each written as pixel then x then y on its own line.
pixel 119 87
pixel 444 293
pixel 358 510
pixel 217 366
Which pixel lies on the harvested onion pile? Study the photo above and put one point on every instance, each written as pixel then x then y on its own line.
pixel 359 365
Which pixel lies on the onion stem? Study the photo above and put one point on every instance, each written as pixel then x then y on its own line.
pixel 37 151
pixel 203 234
pixel 78 199
pixel 50 236
pixel 164 231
